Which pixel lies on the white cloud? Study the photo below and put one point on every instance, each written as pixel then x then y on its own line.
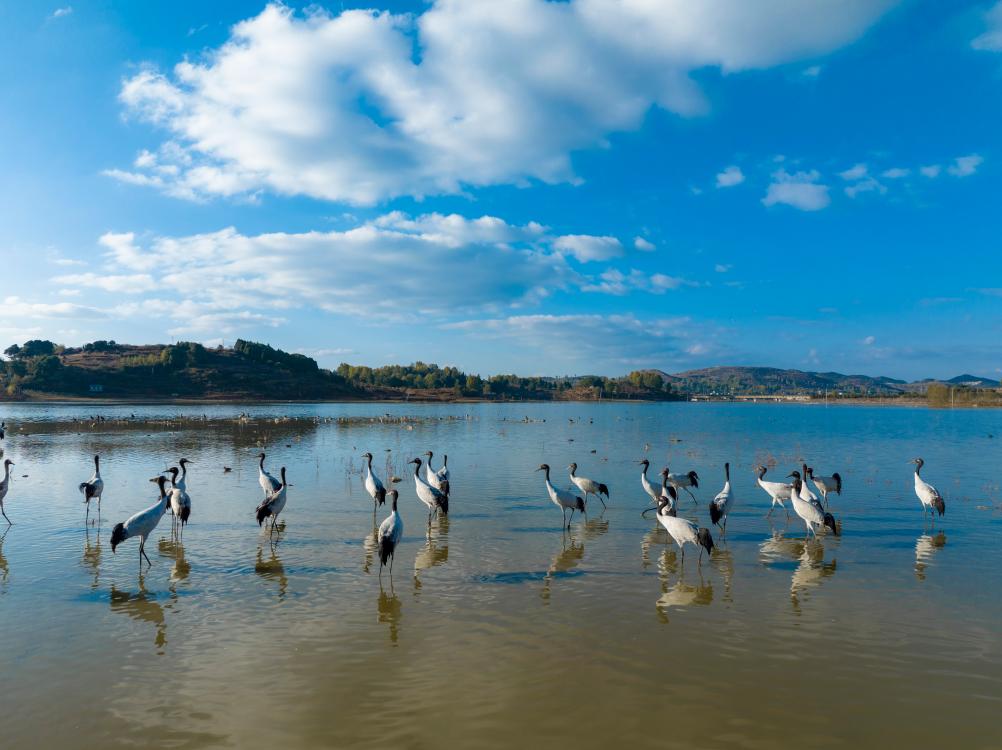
pixel 722 267
pixel 643 245
pixel 614 281
pixel 991 39
pixel 15 307
pixel 730 177
pixel 60 12
pixel 277 107
pixel 812 72
pixel 802 190
pixel 595 342
pixel 136 283
pixel 856 172
pixel 964 166
pixel 931 171
pixel 866 185
pixel 869 341
pixel 586 247
pixel 895 173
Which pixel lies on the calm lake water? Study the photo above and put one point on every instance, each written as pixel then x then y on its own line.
pixel 497 627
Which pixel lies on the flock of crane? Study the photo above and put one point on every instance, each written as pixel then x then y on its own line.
pixel 432 489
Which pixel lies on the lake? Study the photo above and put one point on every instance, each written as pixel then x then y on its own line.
pixel 497 627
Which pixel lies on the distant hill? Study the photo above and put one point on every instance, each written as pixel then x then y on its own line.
pixel 771 381
pixel 972 381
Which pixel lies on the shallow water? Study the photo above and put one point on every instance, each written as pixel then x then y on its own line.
pixel 497 626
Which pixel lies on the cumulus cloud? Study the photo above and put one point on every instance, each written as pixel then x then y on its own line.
pixel 866 185
pixel 802 190
pixel 613 281
pixel 964 166
pixel 722 267
pixel 586 247
pixel 991 39
pixel 895 173
pixel 855 172
pixel 931 171
pixel 363 105
pixel 730 177
pixel 643 245
pixel 61 12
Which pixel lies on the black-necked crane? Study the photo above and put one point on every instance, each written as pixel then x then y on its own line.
pixel 810 513
pixel 649 488
pixel 684 482
pixel 778 491
pixel 372 484
pixel 669 493
pixel 437 479
pixel 4 486
pixel 562 498
pixel 390 531
pixel 3 430
pixel 182 482
pixel 93 487
pixel 268 482
pixel 588 486
pixel 433 498
pixel 142 523
pixel 826 485
pixel 720 506
pixel 928 495
pixel 682 530
pixel 180 503
pixel 803 493
pixel 273 504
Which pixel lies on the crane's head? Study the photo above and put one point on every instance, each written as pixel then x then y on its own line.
pixel 184 462
pixel 8 462
pixel 573 467
pixel 429 454
pixel 664 473
pixel 917 461
pixel 261 455
pixel 543 467
pixel 644 462
pixel 367 455
pixel 809 471
pixel 705 540
pixel 795 474
pixel 415 461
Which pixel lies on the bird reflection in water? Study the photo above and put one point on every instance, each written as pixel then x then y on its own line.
pixel 435 550
pixel 370 545
pixel 653 538
pixel 778 547
pixel 4 569
pixel 811 571
pixel 92 554
pixel 681 594
pixel 596 527
pixel 925 547
pixel 271 568
pixel 566 560
pixel 723 561
pixel 390 610
pixel 143 607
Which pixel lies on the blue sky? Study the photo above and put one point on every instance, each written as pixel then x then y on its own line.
pixel 545 188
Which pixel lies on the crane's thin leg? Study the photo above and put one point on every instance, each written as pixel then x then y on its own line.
pixel 9 522
pixel 563 522
pixel 392 558
pixel 604 506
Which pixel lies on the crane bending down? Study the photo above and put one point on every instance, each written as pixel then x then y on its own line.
pixel 268 483
pixel 372 484
pixel 562 498
pixel 4 486
pixel 683 531
pixel 588 486
pixel 93 487
pixel 810 513
pixel 273 504
pixel 720 506
pixel 142 523
pixel 928 495
pixel 390 531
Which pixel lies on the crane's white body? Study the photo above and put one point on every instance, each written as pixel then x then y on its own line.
pixel 372 484
pixel 588 486
pixel 389 534
pixel 273 503
pixel 563 499
pixel 439 479
pixel 778 491
pixel 721 504
pixel 268 482
pixel 681 530
pixel 93 488
pixel 650 489
pixel 812 514
pixel 927 494
pixel 683 482
pixel 142 524
pixel 826 485
pixel 4 486
pixel 431 496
